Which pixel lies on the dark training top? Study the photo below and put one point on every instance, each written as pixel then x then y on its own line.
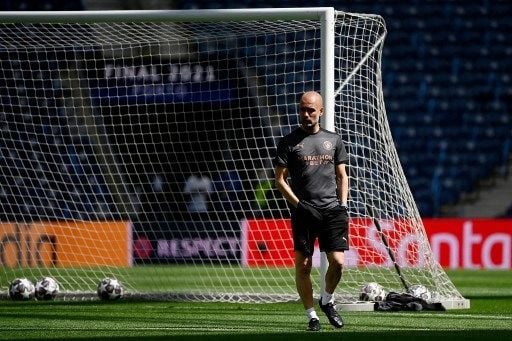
pixel 311 160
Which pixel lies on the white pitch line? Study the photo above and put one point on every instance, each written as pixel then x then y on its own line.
pixel 476 317
pixel 498 317
pixel 178 328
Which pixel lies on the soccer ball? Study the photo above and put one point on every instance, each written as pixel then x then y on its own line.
pixel 110 289
pixel 419 291
pixel 372 292
pixel 21 289
pixel 47 288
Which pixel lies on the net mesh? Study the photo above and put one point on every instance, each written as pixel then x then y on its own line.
pixel 143 151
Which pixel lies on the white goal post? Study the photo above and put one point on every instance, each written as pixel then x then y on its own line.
pixel 139 145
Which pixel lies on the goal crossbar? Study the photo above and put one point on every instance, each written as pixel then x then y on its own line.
pixel 199 15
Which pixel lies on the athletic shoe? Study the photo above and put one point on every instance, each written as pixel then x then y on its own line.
pixel 314 325
pixel 331 313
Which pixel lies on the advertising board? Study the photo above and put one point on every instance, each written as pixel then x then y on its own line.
pixel 66 244
pixel 455 243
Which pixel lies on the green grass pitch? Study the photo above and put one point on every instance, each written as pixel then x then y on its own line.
pixel 489 318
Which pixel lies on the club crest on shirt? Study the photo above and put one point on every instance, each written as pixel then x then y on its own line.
pixel 327 145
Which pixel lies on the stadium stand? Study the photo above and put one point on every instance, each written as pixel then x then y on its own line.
pixel 41 5
pixel 446 74
pixel 448 92
pixel 40 154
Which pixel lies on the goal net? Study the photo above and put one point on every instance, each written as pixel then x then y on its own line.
pixel 139 145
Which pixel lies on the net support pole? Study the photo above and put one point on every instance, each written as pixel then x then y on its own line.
pixel 327 91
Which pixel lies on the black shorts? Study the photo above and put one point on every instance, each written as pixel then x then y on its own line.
pixel 329 225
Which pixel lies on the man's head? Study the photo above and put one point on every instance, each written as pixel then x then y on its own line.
pixel 311 108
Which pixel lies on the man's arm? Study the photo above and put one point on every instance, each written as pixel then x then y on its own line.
pixel 342 182
pixel 281 176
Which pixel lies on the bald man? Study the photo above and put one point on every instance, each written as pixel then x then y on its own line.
pixel 315 160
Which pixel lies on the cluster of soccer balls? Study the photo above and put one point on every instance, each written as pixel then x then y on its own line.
pixel 374 292
pixel 47 288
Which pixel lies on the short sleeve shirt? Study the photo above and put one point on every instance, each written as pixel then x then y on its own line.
pixel 311 161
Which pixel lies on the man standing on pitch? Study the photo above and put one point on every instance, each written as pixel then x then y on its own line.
pixel 315 159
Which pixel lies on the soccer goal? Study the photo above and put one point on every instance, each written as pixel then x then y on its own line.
pixel 138 145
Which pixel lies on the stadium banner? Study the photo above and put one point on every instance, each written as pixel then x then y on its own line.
pixel 148 81
pixel 182 242
pixel 66 244
pixel 456 243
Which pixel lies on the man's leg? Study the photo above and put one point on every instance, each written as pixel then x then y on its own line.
pixel 305 288
pixel 332 278
pixel 303 279
pixel 336 260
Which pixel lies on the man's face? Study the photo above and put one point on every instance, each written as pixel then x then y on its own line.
pixel 310 111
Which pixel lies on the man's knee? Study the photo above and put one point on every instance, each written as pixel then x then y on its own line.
pixel 303 265
pixel 303 269
pixel 336 257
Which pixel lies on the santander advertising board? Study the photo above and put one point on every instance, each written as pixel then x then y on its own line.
pixel 454 243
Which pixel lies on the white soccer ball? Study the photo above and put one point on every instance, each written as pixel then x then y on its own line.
pixel 21 289
pixel 372 292
pixel 419 291
pixel 110 289
pixel 47 288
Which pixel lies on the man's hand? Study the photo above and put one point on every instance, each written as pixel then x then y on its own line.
pixel 310 210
